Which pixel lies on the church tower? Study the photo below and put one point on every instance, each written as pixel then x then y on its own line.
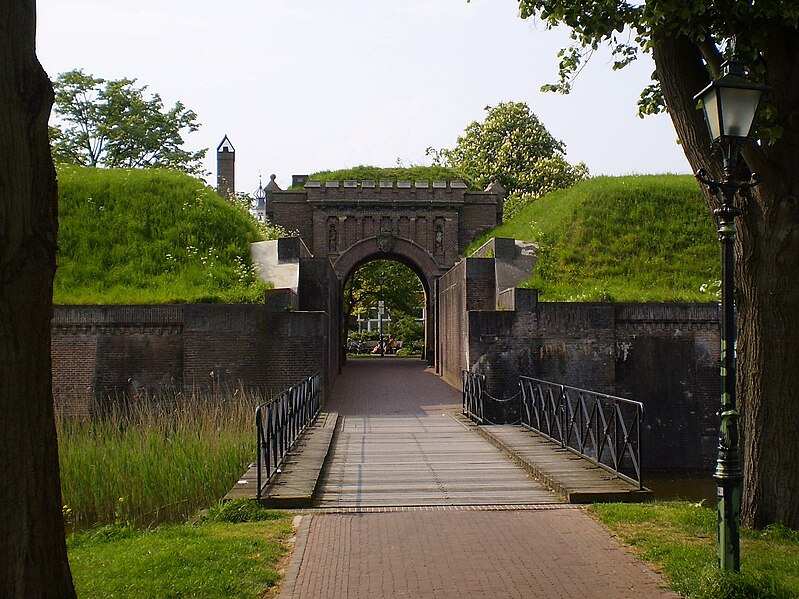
pixel 225 168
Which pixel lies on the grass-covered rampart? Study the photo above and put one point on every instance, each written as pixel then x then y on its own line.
pixel 130 236
pixel 633 238
pixel 377 173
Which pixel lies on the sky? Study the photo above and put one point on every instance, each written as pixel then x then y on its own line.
pixel 306 85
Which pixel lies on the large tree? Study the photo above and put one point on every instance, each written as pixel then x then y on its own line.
pixel 512 145
pixel 34 559
pixel 687 41
pixel 116 124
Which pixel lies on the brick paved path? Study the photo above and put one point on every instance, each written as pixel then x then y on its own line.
pixel 547 550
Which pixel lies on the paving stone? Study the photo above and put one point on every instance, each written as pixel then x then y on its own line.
pixel 548 554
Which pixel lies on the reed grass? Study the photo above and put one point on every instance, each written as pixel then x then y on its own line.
pixel 154 460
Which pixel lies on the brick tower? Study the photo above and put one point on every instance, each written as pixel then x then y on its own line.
pixel 225 168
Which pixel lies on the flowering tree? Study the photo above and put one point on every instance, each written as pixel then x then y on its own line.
pixel 514 147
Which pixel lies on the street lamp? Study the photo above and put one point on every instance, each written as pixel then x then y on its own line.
pixel 730 105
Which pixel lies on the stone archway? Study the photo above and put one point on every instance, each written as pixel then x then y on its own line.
pixel 389 247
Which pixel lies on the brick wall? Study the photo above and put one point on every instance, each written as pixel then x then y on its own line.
pixel 101 353
pixel 479 211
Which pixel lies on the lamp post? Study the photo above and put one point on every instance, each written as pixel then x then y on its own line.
pixel 730 105
pixel 381 308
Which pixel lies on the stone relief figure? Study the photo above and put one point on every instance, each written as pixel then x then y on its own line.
pixel 332 238
pixel 439 239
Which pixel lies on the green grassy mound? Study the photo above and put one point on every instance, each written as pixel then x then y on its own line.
pixel 376 173
pixel 131 236
pixel 633 238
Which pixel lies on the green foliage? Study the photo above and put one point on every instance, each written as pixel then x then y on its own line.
pixel 212 560
pixel 401 290
pixel 512 145
pixel 404 328
pixel 386 280
pixel 115 124
pixel 635 238
pixel 630 27
pixel 680 537
pixel 240 510
pixel 151 236
pixel 376 173
pixel 153 460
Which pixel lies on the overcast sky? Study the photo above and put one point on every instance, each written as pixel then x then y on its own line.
pixel 307 85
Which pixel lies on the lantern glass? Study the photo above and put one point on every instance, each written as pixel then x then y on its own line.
pixel 730 104
pixel 712 113
pixel 738 108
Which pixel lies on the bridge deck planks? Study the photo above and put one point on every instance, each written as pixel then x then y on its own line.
pixel 568 475
pixel 428 460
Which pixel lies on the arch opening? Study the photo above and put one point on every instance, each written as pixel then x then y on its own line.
pixel 386 307
pixel 406 252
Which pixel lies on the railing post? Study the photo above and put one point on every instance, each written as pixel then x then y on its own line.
pixel 616 457
pixel 639 416
pixel 563 400
pixel 259 449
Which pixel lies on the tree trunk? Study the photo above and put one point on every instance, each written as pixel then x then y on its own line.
pixel 767 281
pixel 768 351
pixel 34 560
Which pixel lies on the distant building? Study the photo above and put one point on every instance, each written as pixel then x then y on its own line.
pixel 225 168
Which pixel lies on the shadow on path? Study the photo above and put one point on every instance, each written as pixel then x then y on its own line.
pixel 382 386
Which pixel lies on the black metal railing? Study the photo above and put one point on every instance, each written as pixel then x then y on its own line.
pixel 473 386
pixel 604 429
pixel 279 423
pixel 482 407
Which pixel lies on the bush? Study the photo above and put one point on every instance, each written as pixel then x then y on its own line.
pixel 404 328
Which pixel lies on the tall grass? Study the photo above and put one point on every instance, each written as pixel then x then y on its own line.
pixel 154 460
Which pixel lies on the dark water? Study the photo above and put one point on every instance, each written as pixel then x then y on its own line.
pixel 692 486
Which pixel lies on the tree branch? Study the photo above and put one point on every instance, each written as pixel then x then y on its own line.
pixel 711 54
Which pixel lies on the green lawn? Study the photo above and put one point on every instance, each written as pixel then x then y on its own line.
pixel 679 538
pixel 213 559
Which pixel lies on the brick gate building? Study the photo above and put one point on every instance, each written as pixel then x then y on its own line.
pixel 426 225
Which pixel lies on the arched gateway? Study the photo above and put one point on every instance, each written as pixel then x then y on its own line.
pixel 425 225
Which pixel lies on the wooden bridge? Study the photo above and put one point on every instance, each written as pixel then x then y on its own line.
pixel 392 436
